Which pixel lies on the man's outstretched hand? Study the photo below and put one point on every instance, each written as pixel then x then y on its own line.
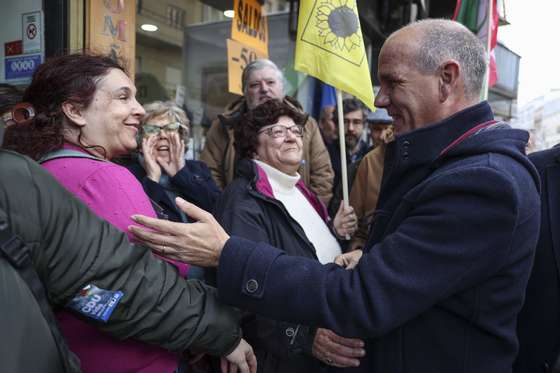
pixel 198 243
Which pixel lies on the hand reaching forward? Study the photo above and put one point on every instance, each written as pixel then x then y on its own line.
pixel 242 358
pixel 198 243
pixel 337 351
pixel 345 221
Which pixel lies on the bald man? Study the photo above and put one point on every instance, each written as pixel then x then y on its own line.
pixel 443 273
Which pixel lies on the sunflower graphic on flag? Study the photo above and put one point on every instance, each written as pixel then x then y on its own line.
pixel 330 46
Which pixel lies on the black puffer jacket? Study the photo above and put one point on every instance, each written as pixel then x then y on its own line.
pixel 71 248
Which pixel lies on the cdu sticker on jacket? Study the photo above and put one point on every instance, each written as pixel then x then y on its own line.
pixel 96 303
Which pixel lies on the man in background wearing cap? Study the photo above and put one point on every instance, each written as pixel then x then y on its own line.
pixel 367 182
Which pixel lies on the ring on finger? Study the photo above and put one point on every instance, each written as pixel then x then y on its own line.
pixel 328 361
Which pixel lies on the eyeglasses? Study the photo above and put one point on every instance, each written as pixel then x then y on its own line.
pixel 152 129
pixel 355 122
pixel 278 131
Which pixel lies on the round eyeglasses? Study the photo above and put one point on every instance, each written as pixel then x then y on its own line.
pixel 278 131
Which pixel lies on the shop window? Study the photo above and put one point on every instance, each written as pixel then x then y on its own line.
pixel 185 59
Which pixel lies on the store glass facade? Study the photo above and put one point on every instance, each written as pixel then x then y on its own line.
pixel 186 58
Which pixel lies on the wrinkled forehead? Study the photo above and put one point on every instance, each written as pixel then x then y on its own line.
pixel 161 120
pixel 283 120
pixel 266 73
pixel 395 58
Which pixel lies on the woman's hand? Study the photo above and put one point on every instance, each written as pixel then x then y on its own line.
pixel 151 166
pixel 345 222
pixel 350 259
pixel 242 359
pixel 337 351
pixel 176 155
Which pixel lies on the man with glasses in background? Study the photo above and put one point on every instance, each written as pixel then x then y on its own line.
pixel 355 114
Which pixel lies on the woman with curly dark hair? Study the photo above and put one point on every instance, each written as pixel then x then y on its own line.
pixel 268 202
pixel 81 112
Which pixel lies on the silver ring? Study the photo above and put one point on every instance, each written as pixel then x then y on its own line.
pixel 329 361
pixel 163 249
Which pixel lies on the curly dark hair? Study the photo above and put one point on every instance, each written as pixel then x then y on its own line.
pixel 60 79
pixel 246 131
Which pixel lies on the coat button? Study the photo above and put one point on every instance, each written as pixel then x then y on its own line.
pixel 406 143
pixel 405 155
pixel 251 286
pixel 290 332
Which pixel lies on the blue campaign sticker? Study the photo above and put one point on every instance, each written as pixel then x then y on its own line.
pixel 96 303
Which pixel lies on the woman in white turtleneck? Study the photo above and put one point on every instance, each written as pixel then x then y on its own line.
pixel 273 157
pixel 269 202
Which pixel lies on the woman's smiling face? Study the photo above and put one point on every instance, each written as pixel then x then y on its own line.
pixel 113 117
pixel 283 153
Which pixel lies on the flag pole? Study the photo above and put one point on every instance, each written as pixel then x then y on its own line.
pixel 489 16
pixel 342 142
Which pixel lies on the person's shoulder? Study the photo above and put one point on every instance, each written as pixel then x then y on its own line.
pixel 545 158
pixel 239 187
pixel 236 198
pixel 111 170
pixel 134 166
pixel 12 159
pixel 239 192
pixel 16 167
pixel 374 153
pixel 195 164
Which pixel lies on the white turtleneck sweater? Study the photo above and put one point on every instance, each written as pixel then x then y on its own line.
pixel 301 210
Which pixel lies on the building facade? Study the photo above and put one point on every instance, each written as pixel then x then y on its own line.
pixel 177 49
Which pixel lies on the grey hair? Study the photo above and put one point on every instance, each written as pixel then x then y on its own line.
pixel 441 40
pixel 259 65
pixel 171 110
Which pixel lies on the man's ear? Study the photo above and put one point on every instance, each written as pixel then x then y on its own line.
pixel 449 72
pixel 74 112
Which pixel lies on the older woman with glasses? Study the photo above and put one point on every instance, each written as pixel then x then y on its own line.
pixel 268 202
pixel 161 166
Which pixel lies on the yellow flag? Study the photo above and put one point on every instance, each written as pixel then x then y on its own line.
pixel 330 46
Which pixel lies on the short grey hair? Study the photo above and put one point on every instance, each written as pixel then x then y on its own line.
pixel 259 65
pixel 441 40
pixel 171 110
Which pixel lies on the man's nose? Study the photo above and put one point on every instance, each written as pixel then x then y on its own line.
pixel 381 99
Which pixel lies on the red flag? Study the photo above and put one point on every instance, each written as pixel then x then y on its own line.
pixel 474 14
